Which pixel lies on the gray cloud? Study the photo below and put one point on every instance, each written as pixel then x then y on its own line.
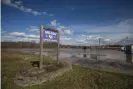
pixel 64 38
pixel 18 34
pixel 67 31
pixel 53 23
pixel 24 35
pixel 63 30
pixel 18 2
pixel 109 34
pixel 121 26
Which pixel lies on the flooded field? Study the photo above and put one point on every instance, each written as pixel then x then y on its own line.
pixel 110 60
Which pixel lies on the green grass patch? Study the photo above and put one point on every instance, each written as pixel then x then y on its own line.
pixel 78 78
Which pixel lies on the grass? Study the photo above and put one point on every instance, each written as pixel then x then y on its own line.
pixel 54 67
pixel 78 78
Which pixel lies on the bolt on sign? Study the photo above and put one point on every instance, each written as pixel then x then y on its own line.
pixel 48 35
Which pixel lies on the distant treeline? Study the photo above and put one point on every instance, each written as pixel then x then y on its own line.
pixel 46 45
pixel 26 45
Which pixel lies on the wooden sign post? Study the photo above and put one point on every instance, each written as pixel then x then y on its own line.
pixel 58 47
pixel 41 47
pixel 48 35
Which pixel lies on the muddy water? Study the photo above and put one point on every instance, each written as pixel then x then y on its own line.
pixel 109 60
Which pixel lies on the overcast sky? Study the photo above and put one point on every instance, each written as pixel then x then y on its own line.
pixel 79 21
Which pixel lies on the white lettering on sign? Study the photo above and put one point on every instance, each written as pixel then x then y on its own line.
pixel 50 32
pixel 47 32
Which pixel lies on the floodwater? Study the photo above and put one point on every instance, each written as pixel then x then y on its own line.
pixel 68 53
pixel 109 60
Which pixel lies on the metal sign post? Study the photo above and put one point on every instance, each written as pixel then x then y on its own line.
pixel 49 35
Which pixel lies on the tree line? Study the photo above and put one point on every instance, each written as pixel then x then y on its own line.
pixel 45 45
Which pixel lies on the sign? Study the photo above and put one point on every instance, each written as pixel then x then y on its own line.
pixel 49 35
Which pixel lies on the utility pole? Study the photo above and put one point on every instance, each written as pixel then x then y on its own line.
pixel 99 43
pixel 99 40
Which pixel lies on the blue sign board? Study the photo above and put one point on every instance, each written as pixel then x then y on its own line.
pixel 50 36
